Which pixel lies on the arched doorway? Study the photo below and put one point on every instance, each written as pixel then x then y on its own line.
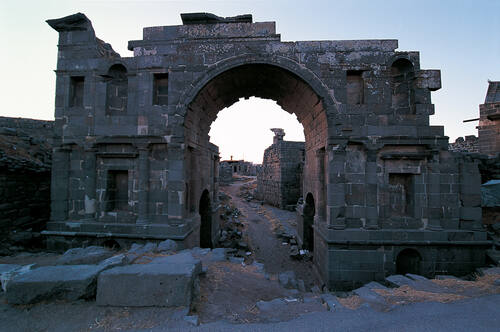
pixel 408 261
pixel 295 89
pixel 205 211
pixel 308 220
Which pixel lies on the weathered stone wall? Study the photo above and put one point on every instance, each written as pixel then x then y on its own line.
pixel 465 144
pixel 25 160
pixel 279 179
pixel 489 121
pixel 133 159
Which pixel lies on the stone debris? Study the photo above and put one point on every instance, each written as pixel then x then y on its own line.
pixel 192 319
pixel 84 256
pixel 287 279
pixel 270 305
pixel 331 301
pixel 167 246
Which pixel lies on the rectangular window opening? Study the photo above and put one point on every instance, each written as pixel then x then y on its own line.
pixel 160 89
pixel 76 92
pixel 355 87
pixel 117 190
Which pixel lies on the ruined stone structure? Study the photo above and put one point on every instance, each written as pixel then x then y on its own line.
pixel 467 144
pixel 132 157
pixel 279 180
pixel 489 121
pixel 25 161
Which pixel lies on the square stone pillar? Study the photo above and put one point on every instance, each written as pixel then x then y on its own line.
pixel 433 183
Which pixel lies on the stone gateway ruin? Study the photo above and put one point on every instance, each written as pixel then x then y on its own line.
pixel 132 158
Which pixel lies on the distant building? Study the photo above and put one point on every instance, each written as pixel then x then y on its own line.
pixel 279 180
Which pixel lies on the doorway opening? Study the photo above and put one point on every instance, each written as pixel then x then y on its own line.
pixel 205 210
pixel 309 212
pixel 408 261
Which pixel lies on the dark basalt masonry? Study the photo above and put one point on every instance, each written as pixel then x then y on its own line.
pixel 132 158
pixel 25 162
pixel 279 179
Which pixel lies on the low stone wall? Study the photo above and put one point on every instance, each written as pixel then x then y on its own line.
pixel 25 168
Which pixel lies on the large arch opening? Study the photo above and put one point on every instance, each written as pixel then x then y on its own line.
pixel 265 81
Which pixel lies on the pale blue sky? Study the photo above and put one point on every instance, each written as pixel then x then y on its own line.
pixel 459 37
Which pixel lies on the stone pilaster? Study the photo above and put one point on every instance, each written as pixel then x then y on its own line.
pixel 90 182
pixel 59 187
pixel 142 217
pixel 336 188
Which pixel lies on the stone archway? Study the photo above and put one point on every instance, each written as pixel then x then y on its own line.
pixel 408 261
pixel 309 101
pixel 205 210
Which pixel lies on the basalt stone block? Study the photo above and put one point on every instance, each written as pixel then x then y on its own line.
pixel 144 285
pixel 68 282
pixel 82 256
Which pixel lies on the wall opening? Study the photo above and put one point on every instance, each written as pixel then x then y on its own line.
pixel 76 91
pixel 205 210
pixel 117 90
pixel 401 195
pixel 117 191
pixel 309 212
pixel 402 76
pixel 355 87
pixel 409 261
pixel 160 89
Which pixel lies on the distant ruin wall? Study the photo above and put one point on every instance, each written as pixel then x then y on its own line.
pixel 465 144
pixel 25 163
pixel 279 180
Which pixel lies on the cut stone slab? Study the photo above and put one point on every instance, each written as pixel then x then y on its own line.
pixel 270 305
pixel 6 272
pixel 491 270
pixel 446 277
pixel 399 280
pixel 416 277
pixel 63 282
pixel 153 284
pixel 366 292
pixel 84 256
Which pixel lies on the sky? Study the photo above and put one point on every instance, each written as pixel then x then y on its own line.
pixel 458 37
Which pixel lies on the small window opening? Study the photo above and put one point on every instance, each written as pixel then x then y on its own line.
pixel 160 89
pixel 355 87
pixel 76 93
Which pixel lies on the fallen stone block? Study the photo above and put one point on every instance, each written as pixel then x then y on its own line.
pixel 218 255
pixel 399 280
pixel 491 270
pixel 6 273
pixel 84 256
pixel 366 292
pixel 167 246
pixel 331 301
pixel 446 277
pixel 287 279
pixel 63 282
pixel 144 285
pixel 270 305
pixel 192 319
